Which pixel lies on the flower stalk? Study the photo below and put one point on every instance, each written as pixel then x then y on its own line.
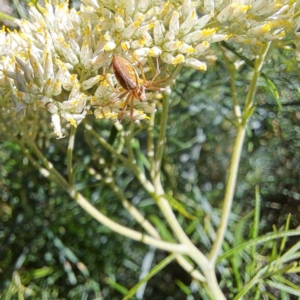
pixel 236 155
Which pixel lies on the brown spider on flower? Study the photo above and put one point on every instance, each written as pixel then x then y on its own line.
pixel 128 78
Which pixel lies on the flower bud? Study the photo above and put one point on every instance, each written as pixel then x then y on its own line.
pixel 87 84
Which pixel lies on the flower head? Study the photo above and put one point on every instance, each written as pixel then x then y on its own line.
pixel 59 56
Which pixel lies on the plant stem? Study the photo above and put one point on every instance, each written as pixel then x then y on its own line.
pixel 70 154
pixel 123 230
pixel 229 192
pixel 161 138
pixel 198 257
pixel 236 155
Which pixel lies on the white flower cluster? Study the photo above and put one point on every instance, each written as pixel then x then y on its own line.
pixel 58 57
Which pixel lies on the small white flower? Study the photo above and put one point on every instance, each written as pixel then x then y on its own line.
pixel 201 22
pixel 172 46
pixel 201 48
pixel 48 88
pixel 174 22
pixel 86 54
pixel 130 6
pixel 187 6
pixel 147 38
pixel 196 64
pixel 48 66
pixel 52 108
pixel 38 70
pixel 33 89
pixel 170 59
pixel 67 52
pixel 87 84
pixel 155 51
pixel 24 97
pixel 141 53
pixel 109 46
pixel 197 35
pixel 26 68
pixel 170 35
pixel 92 3
pixel 129 31
pixel 158 31
pixel 100 60
pixel 101 90
pixel 209 5
pixel 188 23
pixel 186 49
pixel 57 126
pixel 142 5
pixel 119 23
pixel 259 30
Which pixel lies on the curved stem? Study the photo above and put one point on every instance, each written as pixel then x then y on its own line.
pixel 199 258
pixel 59 179
pixel 91 210
pixel 120 229
pixel 133 210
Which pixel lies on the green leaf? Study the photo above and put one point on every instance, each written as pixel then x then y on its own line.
pixel 176 205
pixel 294 290
pixel 183 287
pixel 273 89
pixel 118 287
pixel 163 230
pixel 152 272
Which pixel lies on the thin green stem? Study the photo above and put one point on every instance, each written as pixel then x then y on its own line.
pixel 256 72
pixel 120 229
pixel 48 165
pixel 91 210
pixel 109 179
pixel 199 258
pixel 106 145
pixel 70 154
pixel 236 155
pixel 232 72
pixel 229 192
pixel 4 16
pixel 163 126
pixel 150 144
pixel 128 136
pixel 161 138
pixel 132 209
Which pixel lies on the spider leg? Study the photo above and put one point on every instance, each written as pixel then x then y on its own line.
pixel 157 72
pixel 131 106
pixel 111 86
pixel 155 88
pixel 142 71
pixel 116 100
pixel 128 98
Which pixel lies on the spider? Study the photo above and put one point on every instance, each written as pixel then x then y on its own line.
pixel 128 78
